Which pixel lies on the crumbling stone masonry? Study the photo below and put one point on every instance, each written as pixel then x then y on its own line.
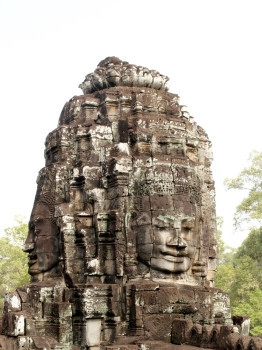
pixel 121 245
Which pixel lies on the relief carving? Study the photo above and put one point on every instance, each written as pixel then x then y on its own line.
pixel 43 241
pixel 122 238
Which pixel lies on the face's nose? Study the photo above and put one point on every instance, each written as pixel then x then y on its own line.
pixel 28 247
pixel 176 240
pixel 29 242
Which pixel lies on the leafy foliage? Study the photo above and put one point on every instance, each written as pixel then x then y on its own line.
pixel 242 279
pixel 225 276
pixel 13 261
pixel 220 242
pixel 240 275
pixel 225 272
pixel 240 272
pixel 252 246
pixel 249 180
pixel 246 292
pixel 246 278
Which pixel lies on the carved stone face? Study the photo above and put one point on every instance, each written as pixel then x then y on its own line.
pixel 42 241
pixel 174 244
pixel 170 245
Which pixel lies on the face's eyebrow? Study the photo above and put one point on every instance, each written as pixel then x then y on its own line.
pixel 188 222
pixel 167 219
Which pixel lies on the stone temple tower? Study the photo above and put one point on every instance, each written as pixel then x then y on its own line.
pixel 121 243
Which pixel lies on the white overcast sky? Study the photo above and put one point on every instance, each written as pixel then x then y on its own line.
pixel 211 50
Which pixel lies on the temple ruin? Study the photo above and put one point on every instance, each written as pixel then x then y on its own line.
pixel 121 246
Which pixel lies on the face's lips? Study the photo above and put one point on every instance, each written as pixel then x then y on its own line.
pixel 175 253
pixel 174 259
pixel 174 256
pixel 32 259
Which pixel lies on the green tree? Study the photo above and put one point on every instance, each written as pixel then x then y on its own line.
pixel 240 271
pixel 241 278
pixel 252 246
pixel 253 308
pixel 225 276
pixel 220 242
pixel 246 292
pixel 239 274
pixel 246 278
pixel 225 270
pixel 13 261
pixel 250 181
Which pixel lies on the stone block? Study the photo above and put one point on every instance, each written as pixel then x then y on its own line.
pixel 30 327
pixel 12 302
pixel 161 202
pixel 92 333
pixel 255 343
pixel 13 324
pixel 186 294
pixel 180 333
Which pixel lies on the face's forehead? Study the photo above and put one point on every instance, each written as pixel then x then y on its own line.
pixel 41 210
pixel 173 221
pixel 164 219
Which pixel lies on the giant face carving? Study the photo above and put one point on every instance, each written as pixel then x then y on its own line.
pixel 169 244
pixel 142 156
pixel 168 220
pixel 174 244
pixel 42 242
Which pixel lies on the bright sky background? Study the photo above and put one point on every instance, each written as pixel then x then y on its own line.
pixel 211 50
